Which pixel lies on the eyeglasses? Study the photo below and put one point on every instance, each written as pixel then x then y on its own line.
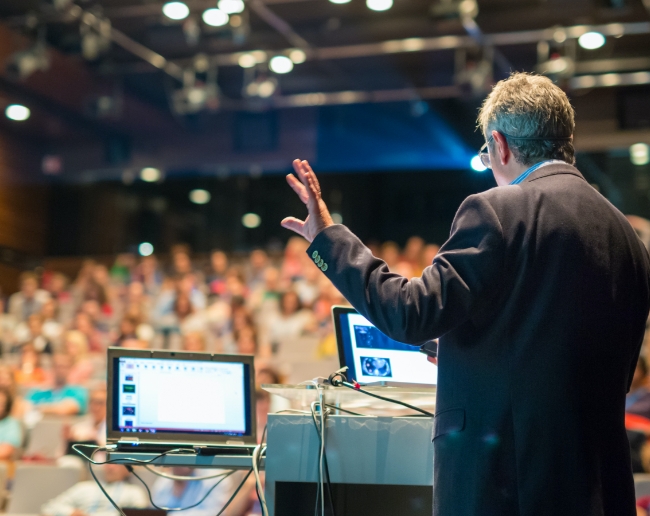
pixel 484 155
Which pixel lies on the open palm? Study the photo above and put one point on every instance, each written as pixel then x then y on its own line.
pixel 308 189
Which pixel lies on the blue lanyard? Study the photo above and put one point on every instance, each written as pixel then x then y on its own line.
pixel 532 169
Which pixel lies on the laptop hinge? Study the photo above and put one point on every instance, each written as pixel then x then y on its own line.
pixel 129 440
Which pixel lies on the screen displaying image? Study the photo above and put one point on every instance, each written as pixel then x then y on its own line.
pixel 377 357
pixel 181 396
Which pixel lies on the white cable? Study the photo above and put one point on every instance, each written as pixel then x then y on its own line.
pixel 187 478
pixel 322 449
pixel 257 452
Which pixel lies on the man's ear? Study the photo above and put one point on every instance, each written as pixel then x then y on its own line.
pixel 501 147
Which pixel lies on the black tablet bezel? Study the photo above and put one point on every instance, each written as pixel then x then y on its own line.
pixel 180 438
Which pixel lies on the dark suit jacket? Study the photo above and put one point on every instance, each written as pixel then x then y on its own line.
pixel 540 298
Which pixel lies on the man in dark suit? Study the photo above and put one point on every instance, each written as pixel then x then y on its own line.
pixel 539 297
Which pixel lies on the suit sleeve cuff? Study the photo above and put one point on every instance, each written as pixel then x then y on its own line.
pixel 320 250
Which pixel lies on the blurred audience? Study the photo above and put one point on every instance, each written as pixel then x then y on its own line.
pixel 85 498
pixel 61 399
pixel 11 433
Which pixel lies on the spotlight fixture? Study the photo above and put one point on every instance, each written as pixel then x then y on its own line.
pixel 340 1
pixel 176 10
pixel 251 220
pixel 231 6
pixel 200 196
pixel 477 164
pixel 247 61
pixel 281 64
pixel 297 56
pixel 591 40
pixel 215 17
pixel 379 5
pixel 145 249
pixel 640 154
pixel 17 112
pixel 150 174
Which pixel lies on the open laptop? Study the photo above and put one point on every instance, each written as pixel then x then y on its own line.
pixel 374 358
pixel 158 400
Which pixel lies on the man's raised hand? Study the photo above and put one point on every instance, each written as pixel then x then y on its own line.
pixel 308 189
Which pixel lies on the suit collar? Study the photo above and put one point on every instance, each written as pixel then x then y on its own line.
pixel 553 170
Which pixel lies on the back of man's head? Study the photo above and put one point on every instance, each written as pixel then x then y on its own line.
pixel 537 111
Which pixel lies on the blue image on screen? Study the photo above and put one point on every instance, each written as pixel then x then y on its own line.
pixel 376 366
pixel 371 338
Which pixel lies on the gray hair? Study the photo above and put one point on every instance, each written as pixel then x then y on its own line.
pixel 537 111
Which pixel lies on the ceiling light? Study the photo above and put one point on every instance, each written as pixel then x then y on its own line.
pixel 176 10
pixel 297 56
pixel 379 5
pixel 266 88
pixel 251 220
pixel 231 6
pixel 215 17
pixel 247 61
pixel 640 154
pixel 145 249
pixel 337 218
pixel 477 164
pixel 340 1
pixel 591 40
pixel 281 64
pixel 200 196
pixel 17 112
pixel 150 174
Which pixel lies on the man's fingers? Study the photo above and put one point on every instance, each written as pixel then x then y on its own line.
pixel 298 187
pixel 293 224
pixel 312 175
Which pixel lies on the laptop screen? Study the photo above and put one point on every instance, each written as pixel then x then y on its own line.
pixel 169 394
pixel 371 356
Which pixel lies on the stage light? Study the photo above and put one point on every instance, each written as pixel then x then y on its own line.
pixel 591 40
pixel 200 196
pixel 150 174
pixel 231 6
pixel 176 10
pixel 251 220
pixel 379 5
pixel 215 17
pixel 337 218
pixel 247 61
pixel 297 56
pixel 281 64
pixel 17 112
pixel 477 164
pixel 266 88
pixel 340 1
pixel 640 154
pixel 145 249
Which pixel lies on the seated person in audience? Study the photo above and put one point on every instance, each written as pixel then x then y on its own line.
pixel 29 300
pixel 93 427
pixel 62 399
pixel 134 344
pixel 29 372
pixel 32 331
pixel 8 381
pixel 246 340
pixel 638 399
pixel 292 321
pixel 194 341
pixel 52 327
pixel 11 434
pixel 75 345
pixel 183 493
pixel 86 499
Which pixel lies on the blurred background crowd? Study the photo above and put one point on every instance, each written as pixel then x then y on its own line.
pixel 55 331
